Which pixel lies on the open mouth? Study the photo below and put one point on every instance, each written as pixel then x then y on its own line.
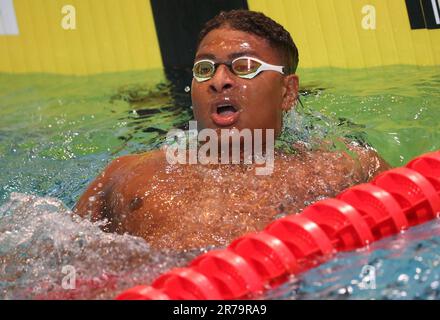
pixel 226 110
pixel 225 115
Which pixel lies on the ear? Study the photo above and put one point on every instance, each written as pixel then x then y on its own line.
pixel 290 91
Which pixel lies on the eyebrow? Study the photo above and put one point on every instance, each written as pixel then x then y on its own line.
pixel 231 56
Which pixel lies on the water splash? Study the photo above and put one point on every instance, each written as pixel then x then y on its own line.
pixel 39 236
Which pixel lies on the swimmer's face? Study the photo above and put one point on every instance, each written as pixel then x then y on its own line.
pixel 228 101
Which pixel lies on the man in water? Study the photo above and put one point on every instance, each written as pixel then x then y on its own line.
pixel 244 78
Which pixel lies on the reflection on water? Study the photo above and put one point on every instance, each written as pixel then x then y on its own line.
pixel 58 132
pixel 151 111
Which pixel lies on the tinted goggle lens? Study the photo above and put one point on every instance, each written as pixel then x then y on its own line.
pixel 204 69
pixel 243 67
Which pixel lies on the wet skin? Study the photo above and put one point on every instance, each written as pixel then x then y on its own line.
pixel 260 102
pixel 190 206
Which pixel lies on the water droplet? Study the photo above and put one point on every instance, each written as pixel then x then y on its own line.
pixel 342 291
pixel 403 278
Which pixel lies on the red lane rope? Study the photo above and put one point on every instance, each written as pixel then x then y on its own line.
pixel 393 201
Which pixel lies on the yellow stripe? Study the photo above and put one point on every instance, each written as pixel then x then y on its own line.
pixel 111 36
pixel 330 33
pixel 119 35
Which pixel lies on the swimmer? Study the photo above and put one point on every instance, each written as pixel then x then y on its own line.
pixel 244 78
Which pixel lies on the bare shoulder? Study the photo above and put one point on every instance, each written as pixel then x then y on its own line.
pixel 370 161
pixel 148 160
pixel 92 203
pixel 154 158
pixel 362 163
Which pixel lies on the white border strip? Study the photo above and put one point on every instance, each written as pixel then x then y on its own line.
pixel 8 20
pixel 435 8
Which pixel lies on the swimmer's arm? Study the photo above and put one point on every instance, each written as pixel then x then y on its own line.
pixel 93 203
pixel 370 161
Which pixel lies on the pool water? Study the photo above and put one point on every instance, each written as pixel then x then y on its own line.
pixel 58 132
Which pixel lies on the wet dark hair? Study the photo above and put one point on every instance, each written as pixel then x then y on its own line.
pixel 259 24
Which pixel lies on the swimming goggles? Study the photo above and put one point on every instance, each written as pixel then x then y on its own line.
pixel 243 67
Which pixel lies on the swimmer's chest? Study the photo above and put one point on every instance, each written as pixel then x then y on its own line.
pixel 202 189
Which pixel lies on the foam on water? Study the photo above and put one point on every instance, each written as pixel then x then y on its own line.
pixel 40 237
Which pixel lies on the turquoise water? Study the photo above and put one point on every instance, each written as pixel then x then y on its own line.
pixel 403 267
pixel 58 132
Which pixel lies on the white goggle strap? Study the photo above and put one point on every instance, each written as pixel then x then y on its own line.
pixel 263 67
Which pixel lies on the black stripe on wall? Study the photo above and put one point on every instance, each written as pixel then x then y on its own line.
pixel 430 9
pixel 415 14
pixel 178 23
pixel 422 13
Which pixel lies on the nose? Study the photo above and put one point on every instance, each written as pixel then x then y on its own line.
pixel 222 80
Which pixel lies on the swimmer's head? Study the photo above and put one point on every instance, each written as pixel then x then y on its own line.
pixel 234 95
pixel 258 24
